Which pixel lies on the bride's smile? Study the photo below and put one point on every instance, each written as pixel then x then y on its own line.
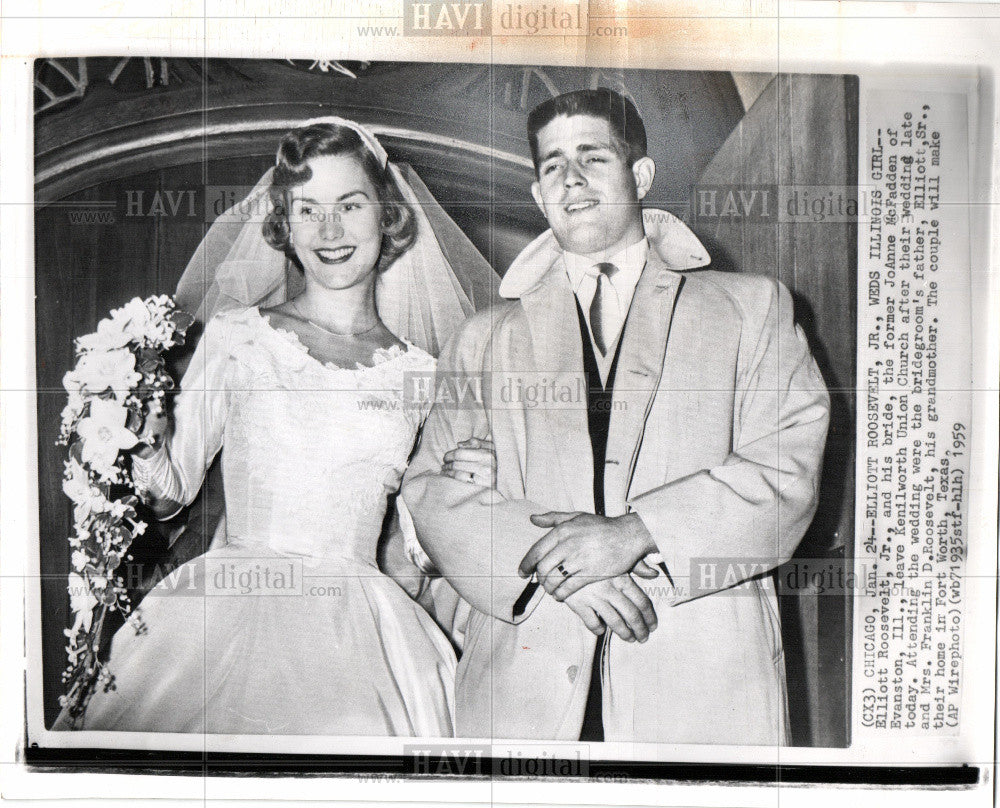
pixel 334 256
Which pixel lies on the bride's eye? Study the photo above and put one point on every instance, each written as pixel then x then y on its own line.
pixel 349 206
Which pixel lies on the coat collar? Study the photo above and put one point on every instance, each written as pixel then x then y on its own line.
pixel 670 240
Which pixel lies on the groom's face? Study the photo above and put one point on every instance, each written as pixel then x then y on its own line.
pixel 585 187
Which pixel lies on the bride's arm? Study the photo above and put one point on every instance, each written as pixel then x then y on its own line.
pixel 155 480
pixel 169 473
pixel 398 559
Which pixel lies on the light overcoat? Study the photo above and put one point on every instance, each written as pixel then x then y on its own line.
pixel 718 423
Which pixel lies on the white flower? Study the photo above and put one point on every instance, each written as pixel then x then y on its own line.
pixel 109 474
pixel 74 405
pixel 79 560
pixel 82 602
pixel 87 498
pixel 135 318
pixel 76 484
pixel 72 651
pixel 96 372
pixel 72 383
pixel 119 509
pixel 110 334
pixel 104 434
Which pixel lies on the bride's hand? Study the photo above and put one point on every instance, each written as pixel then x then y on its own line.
pixel 472 461
pixel 152 434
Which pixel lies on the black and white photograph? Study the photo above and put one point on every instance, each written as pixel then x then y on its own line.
pixel 563 420
pixel 262 574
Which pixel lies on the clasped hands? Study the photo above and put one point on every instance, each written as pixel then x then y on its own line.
pixel 585 560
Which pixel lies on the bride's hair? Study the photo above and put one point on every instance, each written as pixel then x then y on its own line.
pixel 297 148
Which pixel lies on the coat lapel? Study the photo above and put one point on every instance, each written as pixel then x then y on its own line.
pixel 640 365
pixel 550 308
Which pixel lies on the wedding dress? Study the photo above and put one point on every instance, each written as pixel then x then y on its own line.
pixel 290 627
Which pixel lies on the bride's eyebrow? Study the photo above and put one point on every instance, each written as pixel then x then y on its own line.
pixel 341 198
pixel 349 194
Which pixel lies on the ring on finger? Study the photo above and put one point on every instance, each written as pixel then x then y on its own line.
pixel 563 571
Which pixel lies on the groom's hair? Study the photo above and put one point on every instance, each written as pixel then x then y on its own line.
pixel 627 128
pixel 297 148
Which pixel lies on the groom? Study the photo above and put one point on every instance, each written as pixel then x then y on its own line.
pixel 647 420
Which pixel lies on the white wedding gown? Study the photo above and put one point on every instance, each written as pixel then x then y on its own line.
pixel 290 627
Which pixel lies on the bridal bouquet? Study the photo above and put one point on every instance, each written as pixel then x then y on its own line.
pixel 120 376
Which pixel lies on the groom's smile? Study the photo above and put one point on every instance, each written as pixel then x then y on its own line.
pixel 576 207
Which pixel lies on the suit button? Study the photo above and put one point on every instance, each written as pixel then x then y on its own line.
pixel 571 672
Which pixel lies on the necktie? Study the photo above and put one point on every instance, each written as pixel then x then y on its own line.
pixel 604 307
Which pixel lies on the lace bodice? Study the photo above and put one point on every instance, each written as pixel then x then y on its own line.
pixel 311 451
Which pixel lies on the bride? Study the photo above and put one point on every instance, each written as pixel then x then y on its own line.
pixel 290 626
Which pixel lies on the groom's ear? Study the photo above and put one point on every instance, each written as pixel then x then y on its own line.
pixel 536 193
pixel 643 171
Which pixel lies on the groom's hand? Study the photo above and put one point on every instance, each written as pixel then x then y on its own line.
pixel 582 548
pixel 616 603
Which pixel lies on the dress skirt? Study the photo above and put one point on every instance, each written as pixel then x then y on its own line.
pixel 242 642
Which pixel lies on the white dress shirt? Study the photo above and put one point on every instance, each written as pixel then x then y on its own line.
pixel 583 273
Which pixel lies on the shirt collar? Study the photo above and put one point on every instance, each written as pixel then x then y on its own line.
pixel 630 261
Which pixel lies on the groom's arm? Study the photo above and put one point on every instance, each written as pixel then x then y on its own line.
pixel 474 536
